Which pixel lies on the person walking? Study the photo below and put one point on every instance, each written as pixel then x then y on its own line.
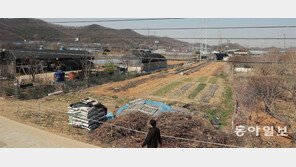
pixel 153 136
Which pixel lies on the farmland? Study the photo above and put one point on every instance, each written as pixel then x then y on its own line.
pixel 162 86
pixel 206 91
pixel 170 87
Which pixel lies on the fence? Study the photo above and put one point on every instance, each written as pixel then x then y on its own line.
pixel 40 90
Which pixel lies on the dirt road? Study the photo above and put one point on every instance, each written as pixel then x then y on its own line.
pixel 17 135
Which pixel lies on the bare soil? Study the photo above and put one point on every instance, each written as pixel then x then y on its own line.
pixel 147 85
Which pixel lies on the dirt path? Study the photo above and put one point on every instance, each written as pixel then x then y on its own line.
pixel 14 134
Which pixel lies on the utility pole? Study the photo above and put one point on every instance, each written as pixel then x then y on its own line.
pixel 201 47
pixel 205 34
pixel 284 43
pixel 201 43
pixel 148 37
pixel 220 41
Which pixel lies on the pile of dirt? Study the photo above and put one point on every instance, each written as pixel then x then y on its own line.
pixel 170 124
pixel 133 84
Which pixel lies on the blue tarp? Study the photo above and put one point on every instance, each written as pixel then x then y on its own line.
pixel 110 115
pixel 122 108
pixel 59 76
pixel 146 106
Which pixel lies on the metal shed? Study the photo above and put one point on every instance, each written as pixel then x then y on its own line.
pixel 13 61
pixel 144 62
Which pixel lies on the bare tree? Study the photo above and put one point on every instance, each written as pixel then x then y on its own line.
pixel 268 85
pixel 32 66
pixel 86 65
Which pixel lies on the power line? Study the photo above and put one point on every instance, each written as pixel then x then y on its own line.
pixel 115 20
pixel 200 28
pixel 170 28
pixel 175 28
pixel 257 62
pixel 213 38
pixel 166 28
pixel 153 37
pixel 239 38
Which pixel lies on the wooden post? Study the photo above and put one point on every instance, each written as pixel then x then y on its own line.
pixel 1 86
pixel 18 105
pixel 149 64
pixel 111 131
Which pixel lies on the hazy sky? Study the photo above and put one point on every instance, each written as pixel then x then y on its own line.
pixel 210 22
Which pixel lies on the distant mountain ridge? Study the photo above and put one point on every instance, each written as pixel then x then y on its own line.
pixel 20 29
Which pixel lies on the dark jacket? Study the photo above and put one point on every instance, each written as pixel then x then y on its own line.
pixel 153 138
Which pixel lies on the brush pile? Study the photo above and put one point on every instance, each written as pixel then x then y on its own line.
pixel 170 124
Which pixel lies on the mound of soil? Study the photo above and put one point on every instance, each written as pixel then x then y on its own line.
pixel 170 124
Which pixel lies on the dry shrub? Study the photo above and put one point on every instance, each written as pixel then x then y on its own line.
pixel 269 86
pixel 118 136
pixel 170 124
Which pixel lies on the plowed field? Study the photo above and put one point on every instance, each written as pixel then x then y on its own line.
pixel 171 86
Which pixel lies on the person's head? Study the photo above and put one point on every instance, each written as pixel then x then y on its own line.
pixel 152 123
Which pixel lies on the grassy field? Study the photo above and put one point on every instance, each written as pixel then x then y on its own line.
pixel 224 110
pixel 202 79
pixel 188 79
pixel 167 88
pixel 228 108
pixel 199 88
pixel 213 80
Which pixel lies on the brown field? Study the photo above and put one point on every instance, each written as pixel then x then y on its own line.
pixel 145 90
pixel 176 62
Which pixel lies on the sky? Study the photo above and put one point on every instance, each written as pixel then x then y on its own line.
pixel 210 22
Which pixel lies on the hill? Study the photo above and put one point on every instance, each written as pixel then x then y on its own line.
pixel 35 29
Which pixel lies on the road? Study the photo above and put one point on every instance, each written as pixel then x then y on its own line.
pixel 17 135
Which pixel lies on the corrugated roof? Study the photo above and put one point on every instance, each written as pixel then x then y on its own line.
pixel 145 57
pixel 106 61
pixel 48 54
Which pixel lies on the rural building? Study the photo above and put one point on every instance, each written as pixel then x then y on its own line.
pixel 243 69
pixel 24 60
pixel 238 52
pixel 214 56
pixel 143 62
pixel 258 52
pixel 220 56
pixel 7 65
pixel 206 56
